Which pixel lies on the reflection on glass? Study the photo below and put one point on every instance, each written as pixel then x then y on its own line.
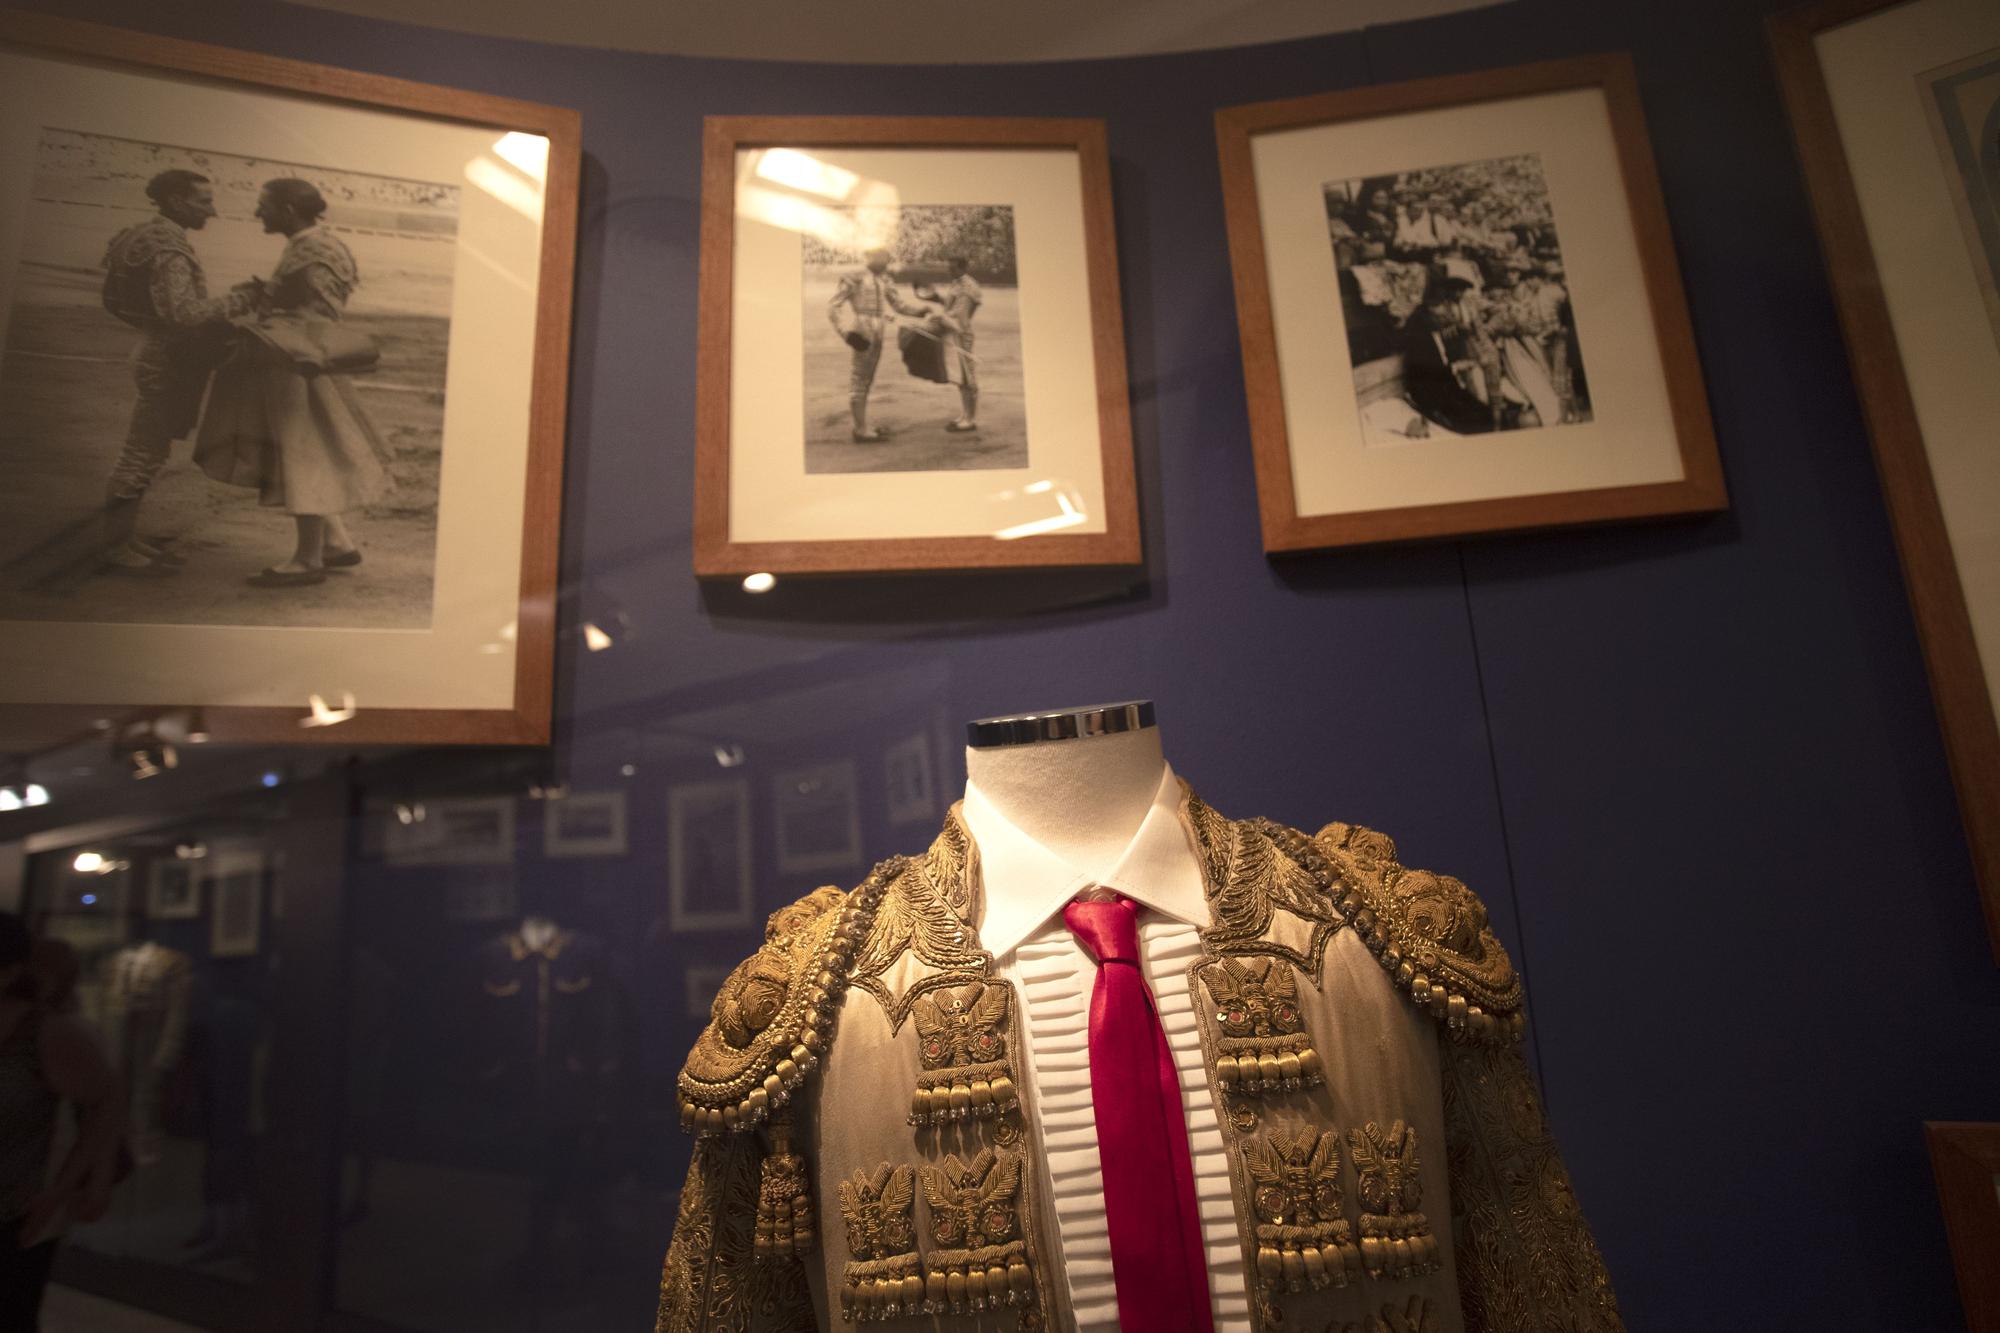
pixel 173 973
pixel 803 171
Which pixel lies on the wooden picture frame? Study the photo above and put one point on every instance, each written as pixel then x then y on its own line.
pixel 452 831
pixel 1000 504
pixel 817 810
pixel 234 878
pixel 1329 423
pixel 275 708
pixel 173 889
pixel 584 823
pixel 1965 1161
pixel 711 882
pixel 1891 406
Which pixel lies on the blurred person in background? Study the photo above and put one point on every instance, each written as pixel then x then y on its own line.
pixel 47 1057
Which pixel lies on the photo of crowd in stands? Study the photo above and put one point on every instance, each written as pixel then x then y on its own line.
pixel 913 340
pixel 1453 294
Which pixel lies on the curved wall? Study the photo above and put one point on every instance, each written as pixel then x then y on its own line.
pixel 1692 766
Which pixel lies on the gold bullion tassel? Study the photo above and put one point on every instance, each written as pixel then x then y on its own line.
pixel 1303 1238
pixel 964 1053
pixel 885 1278
pixel 1396 1239
pixel 978 1261
pixel 784 1201
pixel 1264 1046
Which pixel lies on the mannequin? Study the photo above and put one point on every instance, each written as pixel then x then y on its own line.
pixel 896 1115
pixel 1078 781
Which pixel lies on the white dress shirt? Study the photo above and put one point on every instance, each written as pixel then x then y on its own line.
pixel 1026 887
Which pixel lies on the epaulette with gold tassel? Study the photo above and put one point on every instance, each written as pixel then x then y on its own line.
pixel 784 1199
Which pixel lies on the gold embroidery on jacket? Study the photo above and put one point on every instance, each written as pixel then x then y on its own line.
pixel 1254 868
pixel 1396 1239
pixel 1431 935
pixel 927 909
pixel 1415 1317
pixel 708 1283
pixel 774 1015
pixel 784 1199
pixel 885 1277
pixel 1264 1046
pixel 979 1257
pixel 966 1072
pixel 1303 1238
pixel 1524 1253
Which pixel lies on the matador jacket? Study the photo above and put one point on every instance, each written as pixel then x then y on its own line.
pixel 867 1146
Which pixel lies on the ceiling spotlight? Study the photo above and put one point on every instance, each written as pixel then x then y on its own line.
pixel 10 799
pixel 594 638
pixel 88 863
pixel 627 770
pixel 37 794
pixel 729 756
pixel 759 582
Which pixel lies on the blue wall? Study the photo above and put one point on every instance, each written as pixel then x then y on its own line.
pixel 1692 766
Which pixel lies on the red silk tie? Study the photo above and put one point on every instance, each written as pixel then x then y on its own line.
pixel 1149 1201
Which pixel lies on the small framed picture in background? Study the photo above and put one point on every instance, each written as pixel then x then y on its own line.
pixel 911 351
pixel 588 823
pixel 452 831
pixel 819 818
pixel 908 778
pixel 173 889
pixel 1460 310
pixel 235 879
pixel 710 881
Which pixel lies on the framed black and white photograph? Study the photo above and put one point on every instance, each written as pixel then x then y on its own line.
pixel 235 884
pixel 454 831
pixel 588 823
pixel 173 889
pixel 907 778
pixel 284 351
pixel 1895 106
pixel 710 881
pixel 911 354
pixel 1424 258
pixel 818 813
pixel 1460 310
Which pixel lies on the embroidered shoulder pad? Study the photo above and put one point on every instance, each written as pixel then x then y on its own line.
pixel 774 1016
pixel 1430 934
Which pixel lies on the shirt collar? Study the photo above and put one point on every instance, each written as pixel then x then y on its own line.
pixel 1025 883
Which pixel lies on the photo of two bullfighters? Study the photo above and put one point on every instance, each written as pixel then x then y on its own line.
pixel 938 288
pixel 936 345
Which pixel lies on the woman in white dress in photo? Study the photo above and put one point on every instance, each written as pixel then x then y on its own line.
pixel 283 416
